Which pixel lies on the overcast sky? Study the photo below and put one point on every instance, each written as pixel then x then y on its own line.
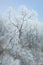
pixel 31 4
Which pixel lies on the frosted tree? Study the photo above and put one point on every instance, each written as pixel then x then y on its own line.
pixel 19 38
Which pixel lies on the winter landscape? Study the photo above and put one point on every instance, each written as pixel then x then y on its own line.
pixel 21 37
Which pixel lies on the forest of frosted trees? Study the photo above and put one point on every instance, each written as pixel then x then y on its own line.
pixel 21 37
